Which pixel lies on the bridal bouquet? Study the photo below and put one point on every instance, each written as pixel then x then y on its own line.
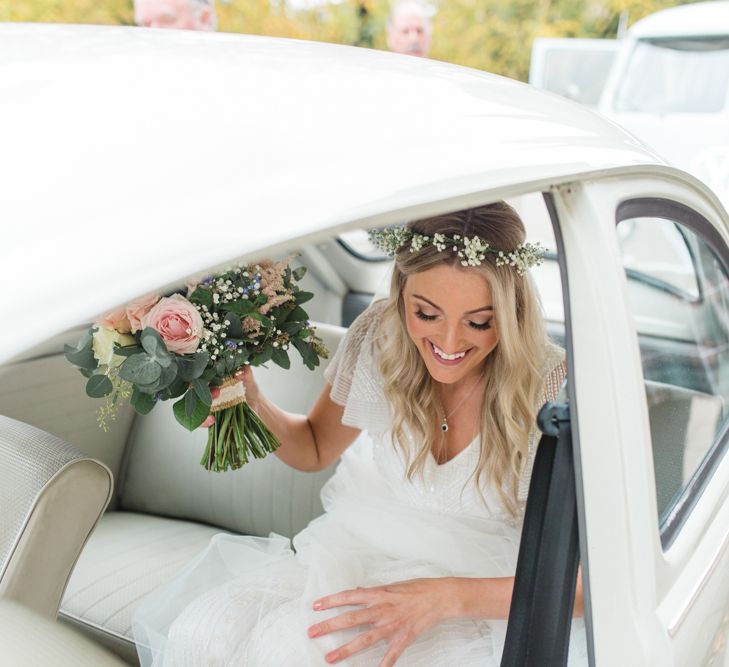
pixel 190 347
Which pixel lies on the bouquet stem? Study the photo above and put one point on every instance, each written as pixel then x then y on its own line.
pixel 237 433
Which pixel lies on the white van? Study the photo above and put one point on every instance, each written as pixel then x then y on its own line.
pixel 670 87
pixel 572 67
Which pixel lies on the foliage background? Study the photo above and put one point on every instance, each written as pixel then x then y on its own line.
pixel 493 35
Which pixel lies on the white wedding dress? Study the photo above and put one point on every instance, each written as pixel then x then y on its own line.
pixel 248 600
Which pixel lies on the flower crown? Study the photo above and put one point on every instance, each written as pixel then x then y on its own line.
pixel 471 251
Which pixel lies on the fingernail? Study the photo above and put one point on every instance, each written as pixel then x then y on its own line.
pixel 332 657
pixel 317 605
pixel 313 631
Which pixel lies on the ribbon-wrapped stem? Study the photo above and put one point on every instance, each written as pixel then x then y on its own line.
pixel 238 431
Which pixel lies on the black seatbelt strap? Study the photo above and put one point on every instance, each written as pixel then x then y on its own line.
pixel 546 574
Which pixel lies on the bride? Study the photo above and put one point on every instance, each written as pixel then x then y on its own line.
pixel 430 403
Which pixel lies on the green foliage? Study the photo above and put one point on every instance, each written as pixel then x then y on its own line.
pixel 142 402
pixel 98 386
pixel 82 355
pixel 493 35
pixel 140 369
pixel 113 12
pixel 190 410
pixel 192 366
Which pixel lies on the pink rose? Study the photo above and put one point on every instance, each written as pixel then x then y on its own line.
pixel 177 322
pixel 137 309
pixel 116 319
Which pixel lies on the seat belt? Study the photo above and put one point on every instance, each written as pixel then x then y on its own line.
pixel 540 618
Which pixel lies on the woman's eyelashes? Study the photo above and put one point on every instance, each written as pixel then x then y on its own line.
pixel 421 315
pixel 479 326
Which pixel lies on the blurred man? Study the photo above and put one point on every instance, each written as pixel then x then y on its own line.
pixel 182 14
pixel 408 28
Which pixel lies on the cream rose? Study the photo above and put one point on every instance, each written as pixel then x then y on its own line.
pixel 177 322
pixel 102 343
pixel 137 309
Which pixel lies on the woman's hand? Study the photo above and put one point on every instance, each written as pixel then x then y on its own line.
pixel 397 613
pixel 253 393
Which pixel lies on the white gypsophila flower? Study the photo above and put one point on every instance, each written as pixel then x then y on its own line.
pixel 471 251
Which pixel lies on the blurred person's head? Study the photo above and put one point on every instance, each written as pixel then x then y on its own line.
pixel 408 28
pixel 181 14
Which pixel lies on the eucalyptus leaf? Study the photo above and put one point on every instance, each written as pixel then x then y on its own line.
pixel 176 389
pixel 140 369
pixel 190 411
pixel 126 350
pixel 262 357
pixel 298 315
pixel 303 297
pixel 306 350
pixel 281 358
pixel 291 328
pixel 167 377
pixel 202 391
pixel 191 367
pixel 155 347
pixel 299 272
pixel 82 355
pixel 148 388
pixel 99 386
pixel 142 402
pixel 83 358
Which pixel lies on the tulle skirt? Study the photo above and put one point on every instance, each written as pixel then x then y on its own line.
pixel 248 600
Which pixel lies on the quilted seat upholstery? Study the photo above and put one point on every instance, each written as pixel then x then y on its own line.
pixel 169 507
pixel 129 556
pixel 51 497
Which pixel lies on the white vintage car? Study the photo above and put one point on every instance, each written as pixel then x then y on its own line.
pixel 669 86
pixel 132 159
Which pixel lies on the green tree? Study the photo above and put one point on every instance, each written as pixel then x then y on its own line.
pixel 114 12
pixel 493 35
pixel 497 35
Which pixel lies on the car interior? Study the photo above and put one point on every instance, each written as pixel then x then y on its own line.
pixel 165 506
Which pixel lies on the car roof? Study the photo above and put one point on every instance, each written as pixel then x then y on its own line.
pixel 132 157
pixel 700 19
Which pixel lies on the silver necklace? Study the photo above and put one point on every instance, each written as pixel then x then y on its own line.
pixel 444 423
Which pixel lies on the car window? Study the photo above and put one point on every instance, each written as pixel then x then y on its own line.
pixel 678 291
pixel 687 75
pixel 655 250
pixel 574 68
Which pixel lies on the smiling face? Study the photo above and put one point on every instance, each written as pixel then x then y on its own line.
pixel 449 315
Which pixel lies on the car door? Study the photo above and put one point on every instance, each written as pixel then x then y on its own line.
pixel 647 313
pixel 677 272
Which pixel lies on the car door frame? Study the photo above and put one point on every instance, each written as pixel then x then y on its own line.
pixel 657 602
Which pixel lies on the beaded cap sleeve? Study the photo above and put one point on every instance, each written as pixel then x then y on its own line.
pixel 554 372
pixel 352 373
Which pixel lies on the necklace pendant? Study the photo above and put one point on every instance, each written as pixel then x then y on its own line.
pixel 444 426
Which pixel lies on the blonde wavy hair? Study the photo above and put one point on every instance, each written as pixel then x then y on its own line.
pixel 513 371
